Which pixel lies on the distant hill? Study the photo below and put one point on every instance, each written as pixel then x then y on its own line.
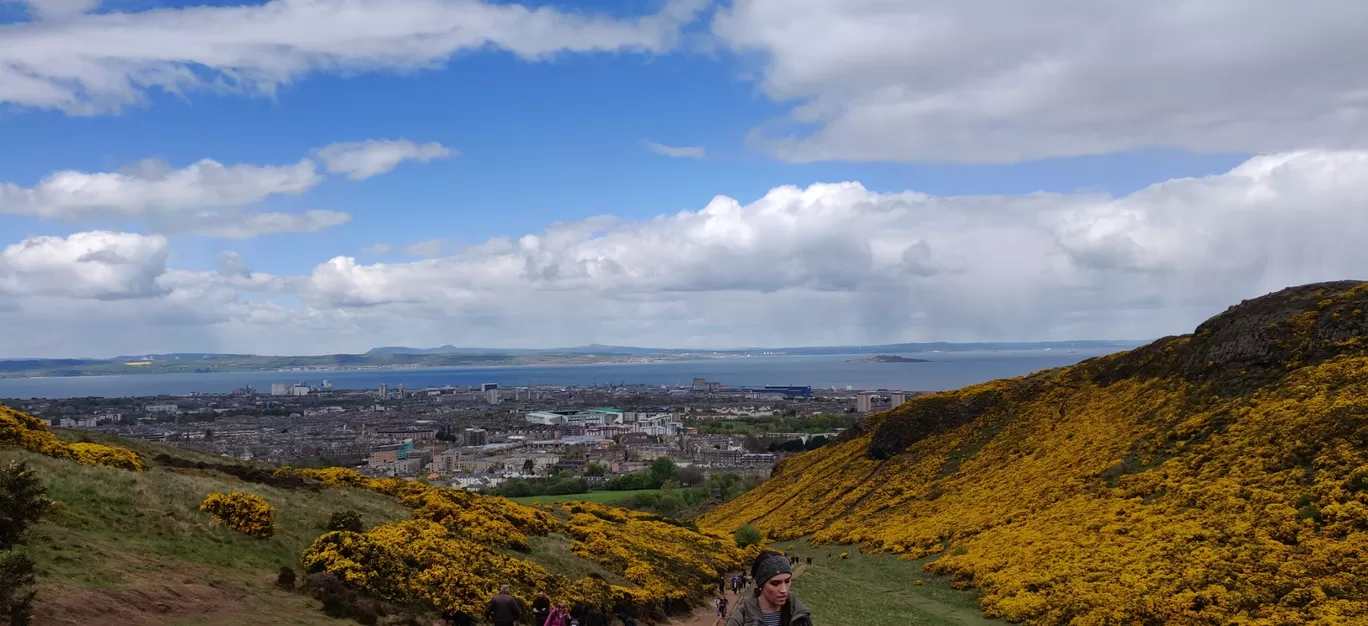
pixel 809 350
pixel 1211 478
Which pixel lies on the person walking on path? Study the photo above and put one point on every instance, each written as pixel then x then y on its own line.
pixel 541 608
pixel 503 609
pixel 720 603
pixel 773 603
pixel 559 616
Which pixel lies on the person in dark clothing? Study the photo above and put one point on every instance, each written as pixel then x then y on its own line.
pixel 541 608
pixel 456 617
pixel 595 617
pixel 773 602
pixel 503 609
pixel 809 560
pixel 627 620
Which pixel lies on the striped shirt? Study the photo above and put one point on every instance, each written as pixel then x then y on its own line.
pixel 770 619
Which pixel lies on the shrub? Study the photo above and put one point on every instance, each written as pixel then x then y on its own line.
pixel 23 500
pixel 345 520
pixel 32 434
pixel 246 513
pixel 747 536
pixel 286 578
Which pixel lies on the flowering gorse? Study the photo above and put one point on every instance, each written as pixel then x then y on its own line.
pixel 1148 498
pixel 32 434
pixel 246 513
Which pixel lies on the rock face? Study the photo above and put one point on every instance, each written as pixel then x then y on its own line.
pixel 1217 477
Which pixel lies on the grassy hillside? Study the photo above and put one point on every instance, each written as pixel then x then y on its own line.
pixel 1219 477
pixel 127 543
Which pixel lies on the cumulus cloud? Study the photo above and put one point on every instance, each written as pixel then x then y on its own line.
pixel 1002 81
pixel 361 160
pixel 152 187
pixel 679 152
pixel 378 249
pixel 99 63
pixel 828 264
pixel 98 264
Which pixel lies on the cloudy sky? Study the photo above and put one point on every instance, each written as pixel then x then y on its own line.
pixel 316 176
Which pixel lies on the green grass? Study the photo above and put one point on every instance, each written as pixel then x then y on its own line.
pixel 603 497
pixel 879 590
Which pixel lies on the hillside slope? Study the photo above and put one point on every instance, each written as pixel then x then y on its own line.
pixel 1219 477
pixel 127 542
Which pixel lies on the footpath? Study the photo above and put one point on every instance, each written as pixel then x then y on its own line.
pixel 707 616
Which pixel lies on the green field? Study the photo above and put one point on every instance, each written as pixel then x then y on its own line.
pixel 879 590
pixel 592 496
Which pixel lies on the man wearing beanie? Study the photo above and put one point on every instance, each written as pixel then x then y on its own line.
pixel 773 603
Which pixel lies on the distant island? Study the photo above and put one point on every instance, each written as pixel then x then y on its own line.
pixel 399 357
pixel 888 358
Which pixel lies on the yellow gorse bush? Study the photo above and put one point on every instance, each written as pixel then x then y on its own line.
pixel 28 432
pixel 447 554
pixel 246 513
pixel 1071 498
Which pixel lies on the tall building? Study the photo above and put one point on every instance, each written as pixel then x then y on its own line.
pixel 896 399
pixel 484 387
pixel 384 391
pixel 280 389
pixel 476 437
pixel 401 391
pixel 864 401
pixel 492 395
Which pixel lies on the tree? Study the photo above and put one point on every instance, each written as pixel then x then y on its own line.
pixel 747 536
pixel 663 469
pixel 595 469
pixel 690 476
pixel 529 467
pixel 345 520
pixel 23 500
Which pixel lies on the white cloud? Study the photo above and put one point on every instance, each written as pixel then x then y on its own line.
pixel 250 225
pixel 99 63
pixel 686 152
pixel 379 249
pixel 364 159
pixel 425 249
pixel 98 264
pixel 1001 81
pixel 151 187
pixel 57 9
pixel 827 264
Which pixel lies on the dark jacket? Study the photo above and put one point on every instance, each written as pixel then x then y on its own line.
pixel 503 609
pixel 748 613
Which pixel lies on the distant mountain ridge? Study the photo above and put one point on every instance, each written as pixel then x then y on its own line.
pixel 801 350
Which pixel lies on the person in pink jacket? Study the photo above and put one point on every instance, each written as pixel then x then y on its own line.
pixel 559 616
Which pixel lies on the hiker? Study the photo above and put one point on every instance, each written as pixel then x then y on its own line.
pixel 720 603
pixel 773 602
pixel 595 617
pixel 559 616
pixel 541 608
pixel 503 609
pixel 809 560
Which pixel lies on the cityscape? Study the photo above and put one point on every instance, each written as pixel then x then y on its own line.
pixel 481 437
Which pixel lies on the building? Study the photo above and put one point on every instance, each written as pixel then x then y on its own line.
pixel 487 386
pixel 162 408
pixel 476 437
pixel 384 390
pixel 299 390
pixel 792 391
pixel 280 389
pixel 492 395
pixel 585 418
pixel 896 399
pixel 864 401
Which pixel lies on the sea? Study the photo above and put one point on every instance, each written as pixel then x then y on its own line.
pixel 943 370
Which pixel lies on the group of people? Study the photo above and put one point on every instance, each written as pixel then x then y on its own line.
pixel 771 604
pixel 505 610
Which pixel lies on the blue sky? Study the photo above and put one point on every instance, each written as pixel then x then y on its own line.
pixel 564 139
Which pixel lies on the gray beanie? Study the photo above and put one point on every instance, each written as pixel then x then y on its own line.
pixel 772 566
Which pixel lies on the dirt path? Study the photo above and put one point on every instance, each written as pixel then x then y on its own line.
pixel 707 616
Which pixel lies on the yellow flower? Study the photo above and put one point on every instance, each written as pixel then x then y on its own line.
pixel 246 513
